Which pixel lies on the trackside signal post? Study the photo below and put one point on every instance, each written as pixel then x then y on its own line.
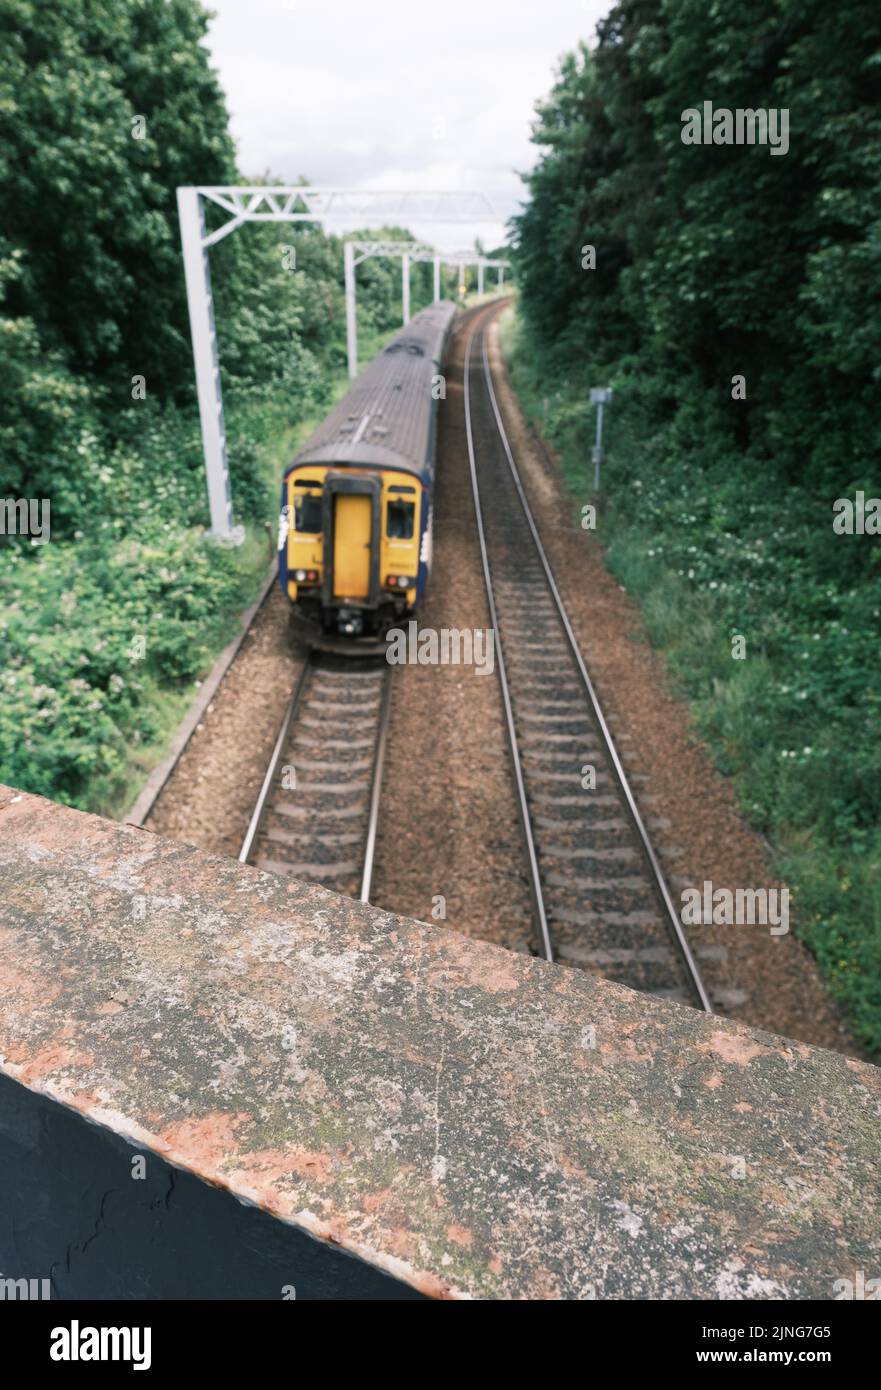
pixel 284 203
pixel 599 396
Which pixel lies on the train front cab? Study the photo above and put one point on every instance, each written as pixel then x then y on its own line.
pixel 353 545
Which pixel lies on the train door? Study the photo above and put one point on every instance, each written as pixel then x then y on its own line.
pixel 352 545
pixel 351 515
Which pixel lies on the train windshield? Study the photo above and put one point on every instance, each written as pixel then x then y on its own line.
pixel 307 513
pixel 399 520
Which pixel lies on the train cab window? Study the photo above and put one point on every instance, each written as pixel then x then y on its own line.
pixel 307 513
pixel 399 520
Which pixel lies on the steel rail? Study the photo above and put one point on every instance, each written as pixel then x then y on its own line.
pixel 256 820
pixel 257 817
pixel 376 788
pixel 605 734
pixel 535 887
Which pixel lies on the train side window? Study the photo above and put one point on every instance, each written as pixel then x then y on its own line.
pixel 399 520
pixel 307 514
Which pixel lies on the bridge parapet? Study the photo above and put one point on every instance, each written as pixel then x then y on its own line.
pixel 465 1122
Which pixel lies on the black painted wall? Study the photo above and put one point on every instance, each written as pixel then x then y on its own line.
pixel 71 1211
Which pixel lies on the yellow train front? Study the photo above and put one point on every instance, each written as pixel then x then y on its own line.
pixel 354 546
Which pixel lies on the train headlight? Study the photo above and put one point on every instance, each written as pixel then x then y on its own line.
pixel 306 576
pixel 300 576
pixel 400 581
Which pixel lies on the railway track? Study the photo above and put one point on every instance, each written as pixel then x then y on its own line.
pixel 318 808
pixel 598 893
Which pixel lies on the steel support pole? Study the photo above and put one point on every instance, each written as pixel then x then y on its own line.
pixel 204 337
pixel 501 275
pixel 351 319
pixel 480 277
pixel 405 287
pixel 598 450
pixel 437 293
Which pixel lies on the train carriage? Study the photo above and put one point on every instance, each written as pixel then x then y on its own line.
pixel 356 507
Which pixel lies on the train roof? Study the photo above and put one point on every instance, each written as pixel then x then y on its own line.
pixel 384 421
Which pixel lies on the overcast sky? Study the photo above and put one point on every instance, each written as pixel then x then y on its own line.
pixel 394 93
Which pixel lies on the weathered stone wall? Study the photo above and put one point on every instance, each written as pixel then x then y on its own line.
pixel 470 1122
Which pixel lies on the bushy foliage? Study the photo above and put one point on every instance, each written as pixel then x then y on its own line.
pixel 76 683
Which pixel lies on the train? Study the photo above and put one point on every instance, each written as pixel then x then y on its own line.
pixel 355 527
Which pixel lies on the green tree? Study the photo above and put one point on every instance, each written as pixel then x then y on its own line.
pixel 90 205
